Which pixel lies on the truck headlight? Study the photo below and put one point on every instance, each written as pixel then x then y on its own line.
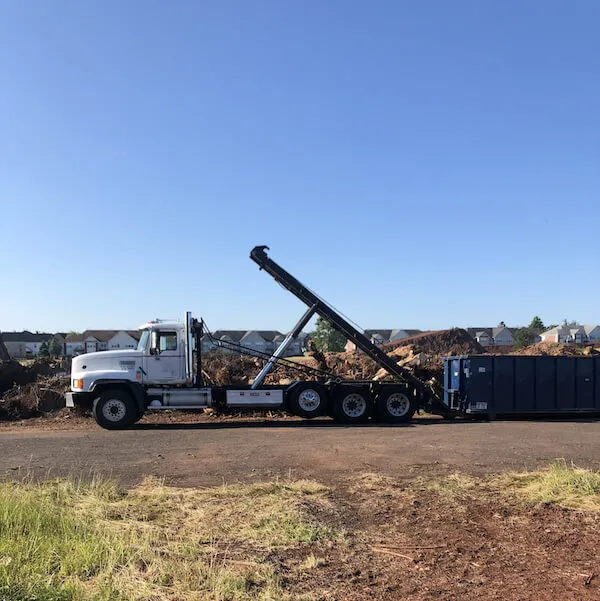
pixel 78 383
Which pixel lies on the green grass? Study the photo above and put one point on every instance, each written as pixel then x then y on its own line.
pixel 68 541
pixel 559 484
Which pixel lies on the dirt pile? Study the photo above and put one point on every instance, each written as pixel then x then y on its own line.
pixel 44 395
pixel 556 349
pixel 440 343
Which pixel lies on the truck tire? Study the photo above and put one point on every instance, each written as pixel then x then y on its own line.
pixel 352 405
pixel 114 409
pixel 308 400
pixel 395 405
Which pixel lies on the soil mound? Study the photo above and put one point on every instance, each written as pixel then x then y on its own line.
pixel 554 349
pixel 440 343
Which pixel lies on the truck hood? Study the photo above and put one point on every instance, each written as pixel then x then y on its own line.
pixel 117 365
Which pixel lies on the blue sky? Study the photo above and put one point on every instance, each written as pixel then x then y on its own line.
pixel 418 164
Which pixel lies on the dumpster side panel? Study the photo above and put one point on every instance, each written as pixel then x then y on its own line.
pixel 584 378
pixel 545 384
pixel 565 383
pixel 504 384
pixel 525 384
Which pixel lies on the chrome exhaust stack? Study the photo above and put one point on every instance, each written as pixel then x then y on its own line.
pixel 189 355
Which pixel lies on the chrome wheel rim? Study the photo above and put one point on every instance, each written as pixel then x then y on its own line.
pixel 397 404
pixel 114 410
pixel 309 400
pixel 354 405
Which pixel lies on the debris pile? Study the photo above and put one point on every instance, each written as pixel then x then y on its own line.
pixel 423 354
pixel 220 368
pixel 12 373
pixel 45 395
pixel 30 390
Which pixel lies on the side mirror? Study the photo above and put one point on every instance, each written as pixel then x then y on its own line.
pixel 154 350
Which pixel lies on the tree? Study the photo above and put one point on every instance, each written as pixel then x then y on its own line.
pixel 44 351
pixel 570 323
pixel 523 337
pixel 537 323
pixel 327 338
pixel 501 325
pixel 55 348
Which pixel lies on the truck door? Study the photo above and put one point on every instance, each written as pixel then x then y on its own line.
pixel 165 361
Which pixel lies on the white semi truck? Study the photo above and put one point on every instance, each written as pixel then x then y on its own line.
pixel 165 372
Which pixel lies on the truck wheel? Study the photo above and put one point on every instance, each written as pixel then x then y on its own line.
pixel 395 406
pixel 308 400
pixel 114 409
pixel 352 405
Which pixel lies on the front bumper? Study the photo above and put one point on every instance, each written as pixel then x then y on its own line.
pixel 79 399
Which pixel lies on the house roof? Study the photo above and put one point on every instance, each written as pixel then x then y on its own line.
pixel 555 330
pixel 388 334
pixel 383 333
pixel 267 335
pixel 590 328
pixel 235 335
pixel 101 335
pixel 478 331
pixel 26 336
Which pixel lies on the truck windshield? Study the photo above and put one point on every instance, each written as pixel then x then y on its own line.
pixel 143 340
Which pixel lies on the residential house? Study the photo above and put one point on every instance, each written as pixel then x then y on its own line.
pixel 92 341
pixel 27 344
pixel 264 341
pixel 380 337
pixel 482 335
pixel 500 336
pixel 592 333
pixel 574 334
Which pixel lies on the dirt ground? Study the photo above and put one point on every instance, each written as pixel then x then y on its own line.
pixel 417 505
pixel 192 451
pixel 412 540
pixel 420 515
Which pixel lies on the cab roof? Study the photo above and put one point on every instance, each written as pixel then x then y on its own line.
pixel 160 324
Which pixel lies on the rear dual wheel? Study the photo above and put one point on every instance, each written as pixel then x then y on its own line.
pixel 395 405
pixel 352 405
pixel 308 400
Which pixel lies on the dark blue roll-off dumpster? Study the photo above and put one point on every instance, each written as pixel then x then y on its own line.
pixel 516 385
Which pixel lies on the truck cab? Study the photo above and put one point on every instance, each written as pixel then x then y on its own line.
pixel 163 350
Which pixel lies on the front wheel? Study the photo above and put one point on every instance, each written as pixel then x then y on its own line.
pixel 395 406
pixel 114 409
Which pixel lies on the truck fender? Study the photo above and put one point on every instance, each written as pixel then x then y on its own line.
pixel 135 388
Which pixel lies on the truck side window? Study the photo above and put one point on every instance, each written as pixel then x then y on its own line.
pixel 167 341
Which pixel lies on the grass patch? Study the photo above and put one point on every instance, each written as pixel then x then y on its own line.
pixel 453 489
pixel 68 541
pixel 559 484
